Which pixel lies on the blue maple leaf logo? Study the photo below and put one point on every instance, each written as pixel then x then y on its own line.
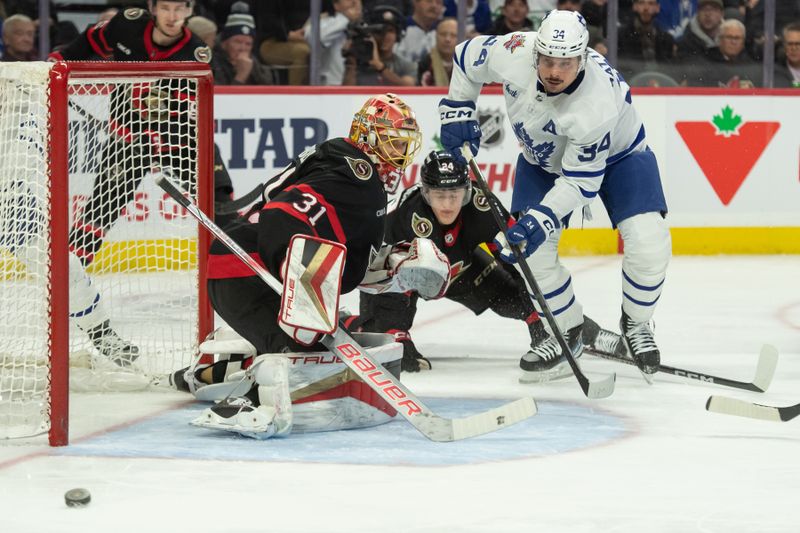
pixel 540 152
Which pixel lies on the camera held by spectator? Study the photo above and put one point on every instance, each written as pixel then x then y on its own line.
pixel 363 36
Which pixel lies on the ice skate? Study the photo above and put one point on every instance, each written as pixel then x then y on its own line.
pixel 641 344
pixel 601 340
pixel 110 345
pixel 545 362
pixel 239 415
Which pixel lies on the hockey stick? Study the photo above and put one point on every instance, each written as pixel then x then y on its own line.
pixel 765 370
pixel 237 204
pixel 732 406
pixel 342 345
pixel 596 389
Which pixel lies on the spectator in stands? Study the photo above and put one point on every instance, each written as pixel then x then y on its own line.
pixel 594 11
pixel 599 45
pixel 333 31
pixel 421 30
pixel 478 16
pixel 785 12
pixel 204 28
pixel 436 68
pixel 281 22
pixel 513 17
pixel 18 37
pixel 674 16
pixel 537 9
pixel 700 37
pixel 641 40
pixel 371 59
pixel 233 61
pixel 787 70
pixel 740 70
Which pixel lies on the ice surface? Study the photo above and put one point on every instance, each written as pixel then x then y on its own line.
pixel 648 459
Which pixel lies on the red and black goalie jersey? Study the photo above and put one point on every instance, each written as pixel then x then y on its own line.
pixel 334 193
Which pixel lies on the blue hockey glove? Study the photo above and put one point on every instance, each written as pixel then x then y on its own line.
pixel 459 125
pixel 532 229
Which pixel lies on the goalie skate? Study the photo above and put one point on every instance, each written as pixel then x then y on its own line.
pixel 239 415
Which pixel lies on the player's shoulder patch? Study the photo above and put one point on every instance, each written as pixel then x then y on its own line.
pixel 202 54
pixel 362 169
pixel 480 201
pixel 134 13
pixel 514 41
pixel 421 226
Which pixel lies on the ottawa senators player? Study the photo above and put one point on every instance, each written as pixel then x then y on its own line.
pixel 138 140
pixel 335 191
pixel 135 34
pixel 455 216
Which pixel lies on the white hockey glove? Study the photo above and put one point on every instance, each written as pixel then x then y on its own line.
pixel 419 267
pixel 311 286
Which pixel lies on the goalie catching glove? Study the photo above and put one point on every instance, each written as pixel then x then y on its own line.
pixel 312 282
pixel 419 267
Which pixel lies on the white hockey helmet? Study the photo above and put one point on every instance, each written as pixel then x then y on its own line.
pixel 562 34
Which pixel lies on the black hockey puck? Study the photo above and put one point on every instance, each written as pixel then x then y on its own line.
pixel 77 497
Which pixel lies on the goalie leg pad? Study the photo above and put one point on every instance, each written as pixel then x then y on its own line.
pixel 272 378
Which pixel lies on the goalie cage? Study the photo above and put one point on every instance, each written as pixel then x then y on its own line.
pixel 62 125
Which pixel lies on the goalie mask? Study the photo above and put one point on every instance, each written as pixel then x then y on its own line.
pixel 562 34
pixel 386 130
pixel 443 172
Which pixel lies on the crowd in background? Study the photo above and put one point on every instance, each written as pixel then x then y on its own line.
pixel 711 43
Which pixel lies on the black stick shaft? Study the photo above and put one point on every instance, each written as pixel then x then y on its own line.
pixel 584 382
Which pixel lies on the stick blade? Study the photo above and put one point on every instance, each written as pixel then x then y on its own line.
pixel 767 362
pixel 601 389
pixel 735 407
pixel 440 429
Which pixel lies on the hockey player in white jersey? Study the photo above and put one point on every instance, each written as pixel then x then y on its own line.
pixel 580 138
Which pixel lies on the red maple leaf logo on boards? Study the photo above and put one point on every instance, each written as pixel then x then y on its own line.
pixel 726 148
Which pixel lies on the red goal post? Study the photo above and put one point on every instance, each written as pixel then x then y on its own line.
pixel 64 128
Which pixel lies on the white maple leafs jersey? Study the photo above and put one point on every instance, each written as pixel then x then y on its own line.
pixel 574 134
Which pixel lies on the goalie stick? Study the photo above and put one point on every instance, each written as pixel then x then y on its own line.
pixel 732 406
pixel 765 370
pixel 342 345
pixel 592 389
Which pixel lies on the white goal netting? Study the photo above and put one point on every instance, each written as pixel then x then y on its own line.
pixel 133 282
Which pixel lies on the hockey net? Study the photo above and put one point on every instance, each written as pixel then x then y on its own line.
pixel 101 274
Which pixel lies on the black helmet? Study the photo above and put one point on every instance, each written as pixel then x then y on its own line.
pixel 443 171
pixel 388 16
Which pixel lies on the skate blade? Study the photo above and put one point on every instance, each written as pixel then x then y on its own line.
pixel 560 372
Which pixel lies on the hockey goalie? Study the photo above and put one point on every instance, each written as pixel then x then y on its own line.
pixel 320 229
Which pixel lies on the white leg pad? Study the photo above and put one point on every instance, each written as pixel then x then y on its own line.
pixel 85 305
pixel 272 377
pixel 648 249
pixel 226 341
pixel 555 282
